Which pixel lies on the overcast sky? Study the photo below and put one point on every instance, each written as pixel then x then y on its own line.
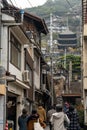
pixel 28 3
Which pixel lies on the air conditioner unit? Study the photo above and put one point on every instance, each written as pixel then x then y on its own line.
pixel 26 76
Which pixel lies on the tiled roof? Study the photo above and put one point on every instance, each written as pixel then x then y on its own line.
pixel 12 10
pixel 67 31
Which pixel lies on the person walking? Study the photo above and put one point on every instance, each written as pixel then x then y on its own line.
pixel 74 119
pixel 41 112
pixel 22 120
pixel 49 114
pixel 66 107
pixel 59 118
pixel 34 117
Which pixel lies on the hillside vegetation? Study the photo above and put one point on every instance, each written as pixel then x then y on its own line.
pixel 58 7
pixel 62 9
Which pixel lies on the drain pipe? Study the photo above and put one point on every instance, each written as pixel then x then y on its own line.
pixel 22 15
pixel 0 31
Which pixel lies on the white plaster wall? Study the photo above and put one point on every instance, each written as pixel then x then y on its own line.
pixel 37 81
pixel 4 43
pixel 13 70
pixel 37 77
pixel 85 30
pixel 85 63
pixel 15 89
pixel 22 59
pixel 6 17
pixel 2 116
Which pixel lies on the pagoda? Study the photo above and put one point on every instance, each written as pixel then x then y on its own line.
pixel 67 39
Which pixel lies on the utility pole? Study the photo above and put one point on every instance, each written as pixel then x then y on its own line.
pixel 51 32
pixel 65 59
pixel 51 56
pixel 70 75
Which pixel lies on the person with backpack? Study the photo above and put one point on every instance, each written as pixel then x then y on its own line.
pixel 59 118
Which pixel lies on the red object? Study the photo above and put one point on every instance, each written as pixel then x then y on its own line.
pixel 6 126
pixel 67 104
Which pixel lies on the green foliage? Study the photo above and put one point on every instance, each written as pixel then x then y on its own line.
pixel 80 110
pixel 76 63
pixel 81 117
pixel 58 8
pixel 55 36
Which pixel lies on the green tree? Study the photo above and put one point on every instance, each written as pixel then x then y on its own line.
pixel 76 63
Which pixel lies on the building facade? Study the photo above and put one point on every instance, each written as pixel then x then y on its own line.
pixel 20 37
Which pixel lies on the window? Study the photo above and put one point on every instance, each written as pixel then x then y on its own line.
pixel 15 51
pixel 30 73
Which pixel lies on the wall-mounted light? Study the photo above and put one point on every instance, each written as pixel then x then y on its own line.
pixel 18 103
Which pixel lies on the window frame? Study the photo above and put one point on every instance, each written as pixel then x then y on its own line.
pixel 16 46
pixel 27 67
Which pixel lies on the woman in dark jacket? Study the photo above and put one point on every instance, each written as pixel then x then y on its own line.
pixel 74 119
pixel 32 119
pixel 22 120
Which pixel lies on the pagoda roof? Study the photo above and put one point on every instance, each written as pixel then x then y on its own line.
pixel 66 45
pixel 65 39
pixel 67 31
pixel 67 42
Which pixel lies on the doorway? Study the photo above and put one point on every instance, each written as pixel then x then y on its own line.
pixel 11 111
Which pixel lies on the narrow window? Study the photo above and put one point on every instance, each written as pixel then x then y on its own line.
pixel 15 51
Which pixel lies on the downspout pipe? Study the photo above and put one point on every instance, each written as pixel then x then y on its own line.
pixel 22 15
pixel 0 31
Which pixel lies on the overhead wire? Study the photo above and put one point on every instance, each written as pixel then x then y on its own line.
pixel 30 3
pixel 11 2
pixel 69 4
pixel 25 2
pixel 71 7
pixel 15 3
pixel 73 10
